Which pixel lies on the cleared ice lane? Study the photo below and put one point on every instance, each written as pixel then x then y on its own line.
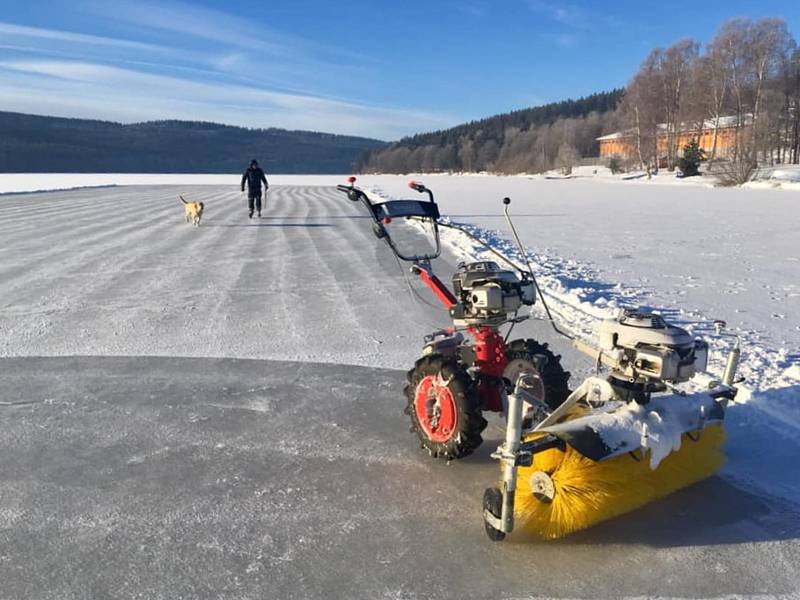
pixel 217 478
pixel 118 272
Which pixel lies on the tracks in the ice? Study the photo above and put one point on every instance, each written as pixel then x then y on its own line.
pixel 118 272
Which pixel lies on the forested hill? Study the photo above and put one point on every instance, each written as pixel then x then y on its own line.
pixel 525 140
pixel 30 143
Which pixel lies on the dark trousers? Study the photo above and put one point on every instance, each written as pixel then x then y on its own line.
pixel 254 200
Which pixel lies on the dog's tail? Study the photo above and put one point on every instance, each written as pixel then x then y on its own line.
pixel 182 200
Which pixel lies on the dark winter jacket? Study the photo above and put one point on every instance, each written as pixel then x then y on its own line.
pixel 254 176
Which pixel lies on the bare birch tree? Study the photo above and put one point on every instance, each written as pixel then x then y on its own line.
pixel 674 67
pixel 640 109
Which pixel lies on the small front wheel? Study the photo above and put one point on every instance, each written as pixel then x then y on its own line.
pixel 493 504
pixel 444 408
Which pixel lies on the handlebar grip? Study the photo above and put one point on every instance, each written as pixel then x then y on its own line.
pixel 344 188
pixel 416 186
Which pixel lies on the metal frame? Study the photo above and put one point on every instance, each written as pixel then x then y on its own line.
pixel 383 212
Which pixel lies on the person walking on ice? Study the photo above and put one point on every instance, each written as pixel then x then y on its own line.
pixel 254 176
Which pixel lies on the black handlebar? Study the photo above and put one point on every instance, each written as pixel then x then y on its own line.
pixel 419 187
pixel 381 218
pixel 354 194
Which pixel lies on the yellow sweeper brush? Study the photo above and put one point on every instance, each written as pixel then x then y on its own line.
pixel 617 443
pixel 563 491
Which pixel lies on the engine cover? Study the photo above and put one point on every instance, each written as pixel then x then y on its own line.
pixel 634 329
pixel 487 294
pixel 647 347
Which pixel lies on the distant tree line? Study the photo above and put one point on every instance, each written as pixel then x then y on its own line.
pixel 30 143
pixel 747 76
pixel 530 140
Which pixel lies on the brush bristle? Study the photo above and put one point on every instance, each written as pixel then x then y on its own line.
pixel 589 492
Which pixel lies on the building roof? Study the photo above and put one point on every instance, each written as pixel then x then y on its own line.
pixel 724 122
pixel 615 135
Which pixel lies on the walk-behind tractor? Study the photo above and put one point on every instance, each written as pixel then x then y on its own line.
pixel 570 459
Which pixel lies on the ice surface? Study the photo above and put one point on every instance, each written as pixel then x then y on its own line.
pixel 33 182
pixel 283 465
pixel 318 291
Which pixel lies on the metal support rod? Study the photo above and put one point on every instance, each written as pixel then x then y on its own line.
pixel 491 249
pixel 506 202
pixel 514 266
pixel 598 356
pixel 435 284
pixel 729 376
pixel 509 452
pixel 564 407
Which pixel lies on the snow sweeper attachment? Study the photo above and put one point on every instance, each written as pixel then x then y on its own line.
pixel 569 459
pixel 617 442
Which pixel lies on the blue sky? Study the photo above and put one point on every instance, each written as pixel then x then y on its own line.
pixel 381 68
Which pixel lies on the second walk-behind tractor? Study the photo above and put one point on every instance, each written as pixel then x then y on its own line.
pixel 570 459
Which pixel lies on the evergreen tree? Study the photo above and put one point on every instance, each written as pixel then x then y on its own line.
pixel 615 165
pixel 693 155
pixel 520 141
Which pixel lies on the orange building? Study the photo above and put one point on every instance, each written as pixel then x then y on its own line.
pixel 623 143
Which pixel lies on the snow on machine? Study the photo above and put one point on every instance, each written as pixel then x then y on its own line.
pixel 570 459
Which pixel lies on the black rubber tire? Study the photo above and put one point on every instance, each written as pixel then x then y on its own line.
pixel 554 377
pixel 467 434
pixel 493 502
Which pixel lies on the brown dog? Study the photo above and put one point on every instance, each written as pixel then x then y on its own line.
pixel 193 211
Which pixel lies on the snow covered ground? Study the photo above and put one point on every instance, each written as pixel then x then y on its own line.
pixel 15 183
pixel 695 254
pixel 783 177
pixel 115 272
pixel 780 177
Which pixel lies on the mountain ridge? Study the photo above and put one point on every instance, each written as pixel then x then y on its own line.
pixel 42 143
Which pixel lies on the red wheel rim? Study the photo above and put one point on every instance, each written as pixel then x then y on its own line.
pixel 436 409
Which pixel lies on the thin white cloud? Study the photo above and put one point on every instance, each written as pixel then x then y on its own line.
pixel 79 55
pixel 566 14
pixel 194 63
pixel 222 27
pixel 577 17
pixel 240 48
pixel 99 91
pixel 227 66
pixel 11 29
pixel 228 60
pixel 289 74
